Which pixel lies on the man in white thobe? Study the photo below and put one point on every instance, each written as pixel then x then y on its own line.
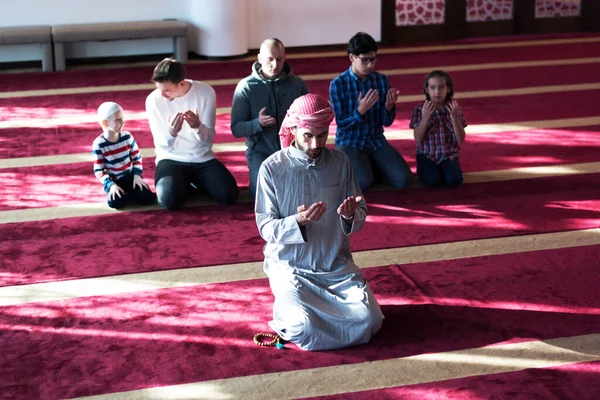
pixel 307 205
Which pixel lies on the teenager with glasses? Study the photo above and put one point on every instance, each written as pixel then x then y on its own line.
pixel 364 103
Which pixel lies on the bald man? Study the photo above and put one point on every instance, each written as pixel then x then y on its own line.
pixel 260 102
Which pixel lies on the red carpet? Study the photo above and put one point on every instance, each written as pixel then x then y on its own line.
pixel 337 64
pixel 411 84
pixel 87 103
pixel 480 153
pixel 166 337
pixel 54 185
pixel 77 138
pixel 105 344
pixel 68 248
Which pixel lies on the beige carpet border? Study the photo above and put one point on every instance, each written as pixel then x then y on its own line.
pixel 396 372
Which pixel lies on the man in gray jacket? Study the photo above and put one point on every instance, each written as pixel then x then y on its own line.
pixel 260 103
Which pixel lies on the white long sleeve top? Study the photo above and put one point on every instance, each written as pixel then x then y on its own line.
pixel 189 145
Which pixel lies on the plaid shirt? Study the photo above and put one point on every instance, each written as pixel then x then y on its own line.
pixel 440 141
pixel 354 130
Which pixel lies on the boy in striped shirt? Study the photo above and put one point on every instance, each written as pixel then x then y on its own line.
pixel 118 162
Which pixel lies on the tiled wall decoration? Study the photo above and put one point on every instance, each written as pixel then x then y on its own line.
pixel 489 10
pixel 420 12
pixel 557 8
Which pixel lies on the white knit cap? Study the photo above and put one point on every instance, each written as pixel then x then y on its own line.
pixel 107 109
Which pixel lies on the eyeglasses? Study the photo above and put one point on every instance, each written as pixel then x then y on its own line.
pixel 368 60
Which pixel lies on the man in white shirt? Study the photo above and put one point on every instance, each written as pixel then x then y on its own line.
pixel 182 114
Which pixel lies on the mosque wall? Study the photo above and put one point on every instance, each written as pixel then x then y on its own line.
pixel 218 27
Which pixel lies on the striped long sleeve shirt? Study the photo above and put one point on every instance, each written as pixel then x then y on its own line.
pixel 353 129
pixel 113 160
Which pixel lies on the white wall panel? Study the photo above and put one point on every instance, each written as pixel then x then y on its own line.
pixel 219 27
pixel 312 22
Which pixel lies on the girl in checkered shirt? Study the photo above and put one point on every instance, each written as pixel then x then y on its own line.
pixel 439 127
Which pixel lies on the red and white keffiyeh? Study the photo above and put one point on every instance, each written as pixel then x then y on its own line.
pixel 309 111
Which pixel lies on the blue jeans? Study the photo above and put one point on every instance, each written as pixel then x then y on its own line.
pixel 432 174
pixel 384 164
pixel 173 178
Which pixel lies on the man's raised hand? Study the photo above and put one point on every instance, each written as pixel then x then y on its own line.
pixel 367 102
pixel 192 118
pixel 391 98
pixel 310 214
pixel 265 120
pixel 348 206
pixel 175 124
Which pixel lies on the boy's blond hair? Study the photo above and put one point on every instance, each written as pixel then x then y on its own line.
pixel 107 109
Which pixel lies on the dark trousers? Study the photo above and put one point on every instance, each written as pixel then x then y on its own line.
pixel 384 164
pixel 431 174
pixel 255 160
pixel 173 179
pixel 143 196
